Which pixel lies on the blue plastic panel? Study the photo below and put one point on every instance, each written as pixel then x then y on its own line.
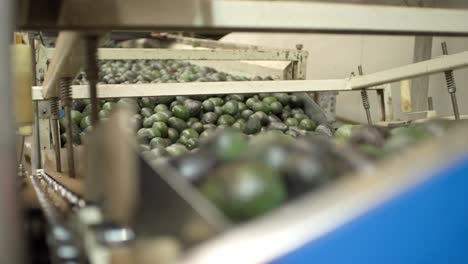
pixel 426 224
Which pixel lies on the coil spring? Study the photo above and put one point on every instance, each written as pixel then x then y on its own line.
pixel 450 81
pixel 54 107
pixel 365 99
pixel 65 90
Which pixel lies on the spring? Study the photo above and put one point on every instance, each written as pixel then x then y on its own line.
pixel 365 99
pixel 54 108
pixel 65 90
pixel 450 81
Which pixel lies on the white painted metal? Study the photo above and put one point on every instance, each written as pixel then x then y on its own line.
pixel 428 67
pixel 196 88
pixel 194 54
pixel 306 16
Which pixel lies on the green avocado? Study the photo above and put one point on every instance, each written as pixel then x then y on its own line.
pixel 208 105
pixel 158 142
pixel 209 118
pixel 252 126
pixel 146 112
pixel 189 133
pixel 226 120
pixel 160 107
pixel 177 123
pixel 181 112
pixel 244 190
pixel 260 106
pixel 276 108
pixel 161 127
pixel 307 124
pixel 172 134
pixel 231 107
pixel 290 121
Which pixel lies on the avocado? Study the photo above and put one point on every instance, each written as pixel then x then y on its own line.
pixel 263 118
pixel 295 101
pixel 76 117
pixel 167 113
pixel 181 112
pixel 189 133
pixel 226 120
pixel 253 125
pixel 231 107
pixel 176 149
pixel 260 106
pixel 158 142
pixel 307 124
pixel 161 127
pixel 173 104
pixel 218 110
pixel 209 126
pixel 192 120
pixel 344 132
pixel 197 126
pixel 251 101
pixel 164 100
pixel 159 117
pixel 160 107
pixel 194 107
pixel 276 107
pixel 177 123
pixel 85 122
pixel 208 106
pixel 209 118
pixel 217 101
pixel 144 135
pixel 146 112
pixel 172 134
pixel 145 102
pixel 192 143
pixel 283 98
pixel 269 100
pixel 246 113
pixel 244 190
pixel 241 106
pixel 290 121
pixel 207 133
pixel 299 116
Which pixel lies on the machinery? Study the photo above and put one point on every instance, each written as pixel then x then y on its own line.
pixel 128 210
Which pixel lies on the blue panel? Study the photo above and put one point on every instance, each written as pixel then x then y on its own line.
pixel 427 224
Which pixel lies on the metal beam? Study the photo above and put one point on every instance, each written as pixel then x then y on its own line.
pixel 194 54
pixel 227 16
pixel 197 88
pixel 428 67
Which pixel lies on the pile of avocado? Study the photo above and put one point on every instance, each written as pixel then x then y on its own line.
pixel 376 142
pixel 158 71
pixel 248 176
pixel 180 120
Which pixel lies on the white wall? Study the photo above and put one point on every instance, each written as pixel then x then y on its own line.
pixel 336 56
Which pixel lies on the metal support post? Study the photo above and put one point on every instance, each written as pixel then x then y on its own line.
pixel 92 74
pixel 66 96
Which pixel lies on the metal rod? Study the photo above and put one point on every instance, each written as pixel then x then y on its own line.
pixel 54 109
pixel 365 99
pixel 450 81
pixel 65 94
pixel 92 74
